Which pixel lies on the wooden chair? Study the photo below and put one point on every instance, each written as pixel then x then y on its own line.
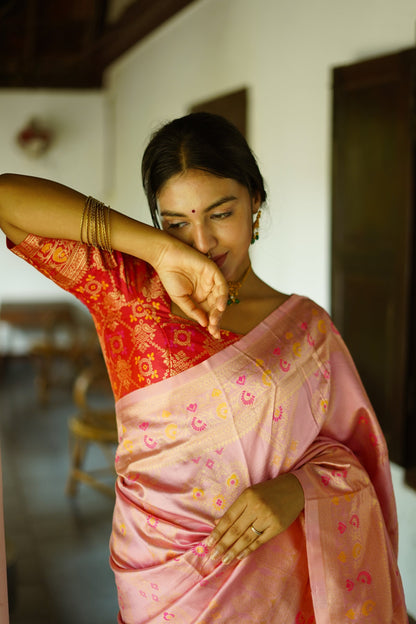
pixel 93 424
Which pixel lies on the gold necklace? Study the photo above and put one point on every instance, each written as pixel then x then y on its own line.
pixel 234 288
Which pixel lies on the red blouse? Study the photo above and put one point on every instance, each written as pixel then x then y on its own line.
pixel 142 341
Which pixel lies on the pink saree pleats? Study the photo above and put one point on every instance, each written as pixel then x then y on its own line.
pixel 286 397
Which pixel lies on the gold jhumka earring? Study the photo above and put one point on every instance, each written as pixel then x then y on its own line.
pixel 256 227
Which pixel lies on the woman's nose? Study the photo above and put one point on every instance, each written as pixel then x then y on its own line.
pixel 203 239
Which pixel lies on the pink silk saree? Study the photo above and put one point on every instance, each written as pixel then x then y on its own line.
pixel 285 397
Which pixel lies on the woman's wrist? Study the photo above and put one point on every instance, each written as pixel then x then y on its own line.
pixel 139 239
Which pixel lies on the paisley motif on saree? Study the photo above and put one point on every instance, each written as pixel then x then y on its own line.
pixel 285 397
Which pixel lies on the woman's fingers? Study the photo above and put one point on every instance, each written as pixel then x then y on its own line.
pixel 240 539
pixel 215 316
pixel 247 542
pixel 212 300
pixel 196 285
pixel 205 305
pixel 256 543
pixel 231 536
pixel 191 309
pixel 267 509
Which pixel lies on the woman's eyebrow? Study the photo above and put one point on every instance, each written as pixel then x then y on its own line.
pixel 219 202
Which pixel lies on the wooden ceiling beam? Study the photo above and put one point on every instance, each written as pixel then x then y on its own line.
pixel 138 21
pixel 33 64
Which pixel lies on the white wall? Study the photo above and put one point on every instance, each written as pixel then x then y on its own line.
pixel 77 158
pixel 283 51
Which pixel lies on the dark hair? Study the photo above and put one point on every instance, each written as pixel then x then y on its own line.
pixel 198 141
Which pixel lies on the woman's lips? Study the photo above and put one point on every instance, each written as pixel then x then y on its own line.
pixel 219 260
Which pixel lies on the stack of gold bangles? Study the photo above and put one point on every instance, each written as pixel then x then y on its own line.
pixel 95 223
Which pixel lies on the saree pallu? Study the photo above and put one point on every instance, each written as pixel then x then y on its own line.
pixel 286 397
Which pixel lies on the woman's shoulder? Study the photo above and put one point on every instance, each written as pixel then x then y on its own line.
pixel 85 270
pixel 301 312
pixel 306 322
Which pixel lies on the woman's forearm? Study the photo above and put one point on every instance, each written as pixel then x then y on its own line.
pixel 50 210
pixel 45 208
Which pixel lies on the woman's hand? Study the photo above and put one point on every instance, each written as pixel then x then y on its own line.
pixel 194 283
pixel 269 507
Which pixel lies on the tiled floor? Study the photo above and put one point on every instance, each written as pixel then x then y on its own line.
pixel 63 575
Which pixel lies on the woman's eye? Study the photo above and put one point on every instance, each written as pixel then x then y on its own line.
pixel 176 226
pixel 221 215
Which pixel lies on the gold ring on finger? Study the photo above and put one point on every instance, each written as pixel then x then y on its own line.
pixel 255 531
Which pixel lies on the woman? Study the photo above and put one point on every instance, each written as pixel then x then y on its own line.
pixel 254 482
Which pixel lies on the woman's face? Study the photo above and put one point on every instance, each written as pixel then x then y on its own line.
pixel 214 215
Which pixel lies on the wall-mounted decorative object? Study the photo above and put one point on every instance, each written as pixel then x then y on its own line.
pixel 34 138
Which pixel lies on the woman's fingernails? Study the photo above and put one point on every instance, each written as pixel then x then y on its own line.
pixel 227 559
pixel 242 555
pixel 215 554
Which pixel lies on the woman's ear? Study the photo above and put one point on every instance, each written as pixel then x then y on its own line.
pixel 255 202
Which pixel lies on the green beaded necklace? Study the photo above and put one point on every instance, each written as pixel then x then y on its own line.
pixel 234 288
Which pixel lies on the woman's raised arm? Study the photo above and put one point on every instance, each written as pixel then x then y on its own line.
pixel 36 206
pixel 51 210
